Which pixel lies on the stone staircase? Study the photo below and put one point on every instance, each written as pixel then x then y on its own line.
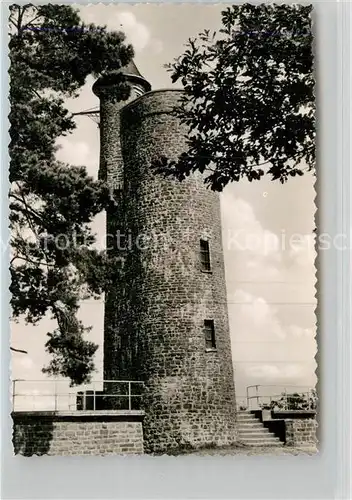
pixel 251 431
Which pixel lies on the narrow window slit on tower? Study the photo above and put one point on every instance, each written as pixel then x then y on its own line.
pixel 118 342
pixel 205 255
pixel 209 334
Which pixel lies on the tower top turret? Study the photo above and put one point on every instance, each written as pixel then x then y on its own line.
pixel 131 73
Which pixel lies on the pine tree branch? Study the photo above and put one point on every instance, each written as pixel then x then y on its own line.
pixel 18 350
pixel 26 209
pixel 35 263
pixel 13 22
pixel 30 23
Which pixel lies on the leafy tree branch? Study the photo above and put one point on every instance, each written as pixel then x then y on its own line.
pixel 248 97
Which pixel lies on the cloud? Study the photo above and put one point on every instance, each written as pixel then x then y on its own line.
pixel 263 371
pixel 78 153
pixel 254 317
pixel 156 45
pixel 265 350
pixel 26 363
pixel 269 345
pixel 245 233
pixel 302 250
pixel 22 366
pixel 298 332
pixel 252 252
pixel 275 373
pixel 137 33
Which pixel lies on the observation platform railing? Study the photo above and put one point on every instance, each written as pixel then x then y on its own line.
pixel 283 397
pixel 58 396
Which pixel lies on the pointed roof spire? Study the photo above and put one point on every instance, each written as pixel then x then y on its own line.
pixel 132 72
pixel 131 69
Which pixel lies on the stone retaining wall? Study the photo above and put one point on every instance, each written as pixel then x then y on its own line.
pixel 77 433
pixel 301 433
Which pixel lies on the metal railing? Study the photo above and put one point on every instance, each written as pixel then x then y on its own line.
pixel 57 395
pixel 289 397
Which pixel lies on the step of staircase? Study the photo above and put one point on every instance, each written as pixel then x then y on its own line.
pixel 246 418
pixel 250 425
pixel 269 438
pixel 262 444
pixel 252 432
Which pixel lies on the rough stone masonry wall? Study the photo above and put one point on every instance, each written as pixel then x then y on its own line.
pixel 157 314
pixel 111 170
pixel 301 432
pixel 111 164
pixel 46 434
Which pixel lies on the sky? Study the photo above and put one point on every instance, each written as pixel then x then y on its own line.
pixel 267 228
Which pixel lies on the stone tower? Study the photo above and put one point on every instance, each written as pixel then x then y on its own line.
pixel 166 318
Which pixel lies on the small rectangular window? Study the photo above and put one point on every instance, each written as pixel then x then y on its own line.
pixel 209 334
pixel 204 255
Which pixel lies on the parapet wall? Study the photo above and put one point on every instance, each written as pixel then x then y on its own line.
pixel 301 433
pixel 155 102
pixel 77 433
